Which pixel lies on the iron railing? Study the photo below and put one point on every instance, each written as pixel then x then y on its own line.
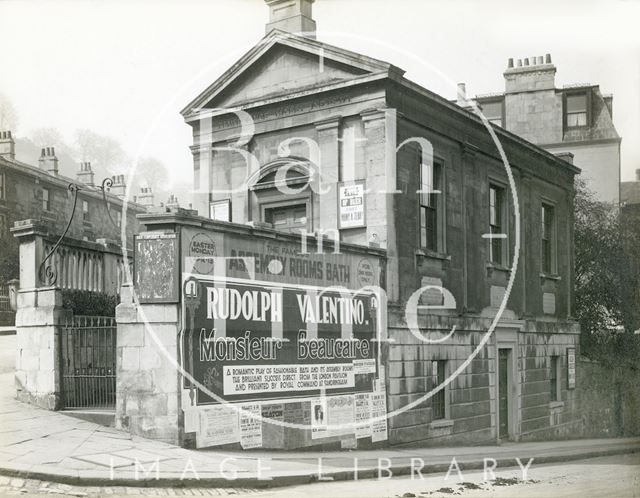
pixel 88 362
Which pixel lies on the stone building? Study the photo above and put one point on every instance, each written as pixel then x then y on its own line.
pixel 41 193
pixel 343 146
pixel 575 119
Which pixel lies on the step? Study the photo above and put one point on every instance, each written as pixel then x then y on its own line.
pixel 102 417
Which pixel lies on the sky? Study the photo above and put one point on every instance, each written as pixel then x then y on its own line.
pixel 125 68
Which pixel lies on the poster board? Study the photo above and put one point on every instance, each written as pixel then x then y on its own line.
pixel 156 267
pixel 254 341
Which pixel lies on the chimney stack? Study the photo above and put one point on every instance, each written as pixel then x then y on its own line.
pixel 119 187
pixel 566 156
pixel 533 74
pixel 172 202
pixel 145 197
pixel 7 145
pixel 85 175
pixel 292 16
pixel 48 160
pixel 462 95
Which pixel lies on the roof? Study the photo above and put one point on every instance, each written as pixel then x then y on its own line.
pixel 61 181
pixel 372 69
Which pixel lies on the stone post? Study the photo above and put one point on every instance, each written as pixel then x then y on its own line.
pixel 147 377
pixel 39 318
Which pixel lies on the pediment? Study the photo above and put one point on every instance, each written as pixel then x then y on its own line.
pixel 283 64
pixel 283 69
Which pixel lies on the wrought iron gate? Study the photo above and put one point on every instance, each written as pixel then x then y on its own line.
pixel 88 360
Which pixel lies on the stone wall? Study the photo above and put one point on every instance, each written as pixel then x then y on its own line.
pixel 609 400
pixel 471 415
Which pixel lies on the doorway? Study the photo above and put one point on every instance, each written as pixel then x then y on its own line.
pixel 504 389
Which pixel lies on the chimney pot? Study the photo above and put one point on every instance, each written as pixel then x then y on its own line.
pixel 638 175
pixel 510 63
pixel 540 60
pixel 526 62
pixel 547 59
pixel 519 62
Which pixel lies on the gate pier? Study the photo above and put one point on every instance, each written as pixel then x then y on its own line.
pixel 39 319
pixel 147 373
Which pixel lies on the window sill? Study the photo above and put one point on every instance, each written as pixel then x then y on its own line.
pixel 554 405
pixel 550 276
pixel 427 253
pixel 495 266
pixel 49 215
pixel 441 423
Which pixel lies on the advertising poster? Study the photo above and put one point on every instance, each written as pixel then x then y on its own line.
pixel 250 426
pixel 379 409
pixel 318 418
pixel 218 425
pixel 571 368
pixel 363 415
pixel 351 209
pixel 340 415
pixel 253 342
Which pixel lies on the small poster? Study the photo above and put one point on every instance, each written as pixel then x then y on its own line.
pixel 318 418
pixel 363 415
pixel 340 415
pixel 379 417
pixel 218 425
pixel 571 368
pixel 250 426
pixel 351 212
pixel 364 366
pixel 379 431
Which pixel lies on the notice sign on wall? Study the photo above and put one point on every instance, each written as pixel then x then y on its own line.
pixel 351 210
pixel 571 368
pixel 252 341
pixel 156 276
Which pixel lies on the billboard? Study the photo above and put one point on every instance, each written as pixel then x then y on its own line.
pixel 250 341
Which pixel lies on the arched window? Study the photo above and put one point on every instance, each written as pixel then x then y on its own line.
pixel 283 193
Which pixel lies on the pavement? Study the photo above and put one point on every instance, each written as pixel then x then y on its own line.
pixel 8 330
pixel 52 446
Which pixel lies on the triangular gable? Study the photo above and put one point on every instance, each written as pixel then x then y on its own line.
pixel 283 63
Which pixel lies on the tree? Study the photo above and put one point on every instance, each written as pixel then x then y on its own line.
pixel 102 151
pixel 150 172
pixel 606 283
pixel 8 115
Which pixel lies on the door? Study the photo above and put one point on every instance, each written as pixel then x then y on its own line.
pixel 292 218
pixel 503 393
